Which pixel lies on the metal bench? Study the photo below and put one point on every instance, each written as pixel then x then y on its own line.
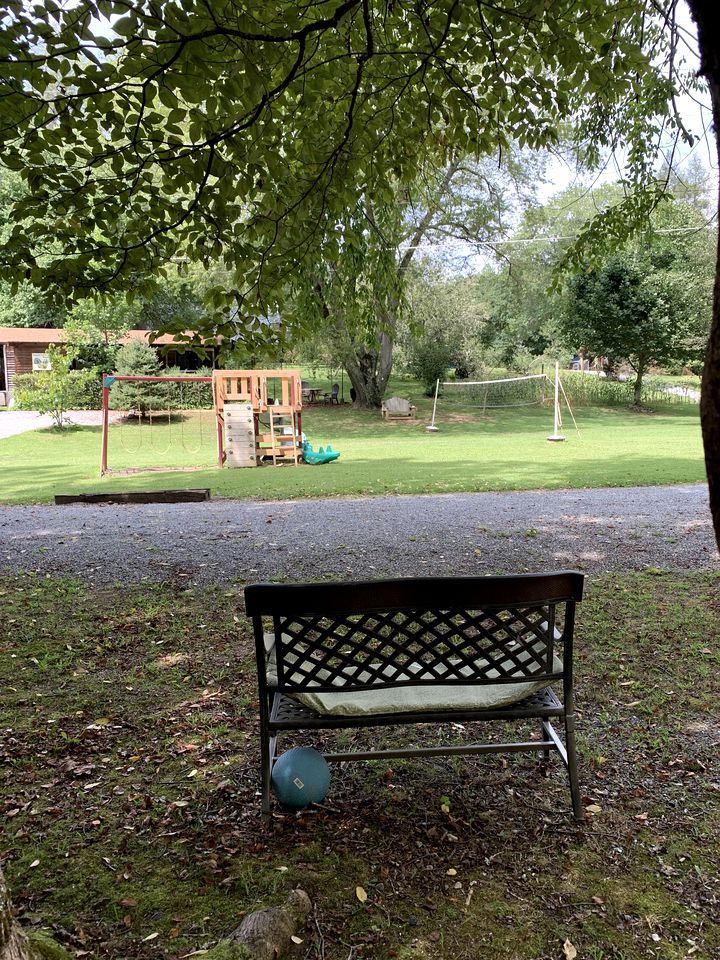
pixel 417 651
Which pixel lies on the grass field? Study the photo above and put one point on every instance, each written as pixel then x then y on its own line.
pixel 131 822
pixel 503 450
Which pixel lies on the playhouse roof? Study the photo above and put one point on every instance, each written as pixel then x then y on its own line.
pixel 47 335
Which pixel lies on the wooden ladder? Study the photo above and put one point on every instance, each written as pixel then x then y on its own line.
pixel 282 417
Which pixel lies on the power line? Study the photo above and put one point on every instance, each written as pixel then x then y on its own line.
pixel 707 226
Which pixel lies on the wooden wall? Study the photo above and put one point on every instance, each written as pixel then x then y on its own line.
pixel 18 359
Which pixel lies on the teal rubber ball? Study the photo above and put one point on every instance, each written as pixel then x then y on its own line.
pixel 300 776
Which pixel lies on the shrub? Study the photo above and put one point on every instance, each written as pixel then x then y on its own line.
pixel 189 396
pixel 429 362
pixel 59 389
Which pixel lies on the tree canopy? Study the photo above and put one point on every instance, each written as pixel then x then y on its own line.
pixel 245 131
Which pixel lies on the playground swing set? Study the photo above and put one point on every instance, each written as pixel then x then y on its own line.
pixel 258 416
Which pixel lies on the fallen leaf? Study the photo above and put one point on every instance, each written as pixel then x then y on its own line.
pixel 360 894
pixel 593 808
pixel 150 937
pixel 569 950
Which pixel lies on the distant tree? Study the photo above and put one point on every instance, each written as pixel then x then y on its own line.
pixel 651 302
pixel 28 307
pixel 95 327
pixel 359 293
pixel 447 310
pixel 137 358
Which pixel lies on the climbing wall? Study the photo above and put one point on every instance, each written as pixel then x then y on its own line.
pixel 240 435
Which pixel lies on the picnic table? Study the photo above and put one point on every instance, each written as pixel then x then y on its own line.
pixel 311 394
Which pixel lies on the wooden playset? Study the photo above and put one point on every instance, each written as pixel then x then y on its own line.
pixel 259 414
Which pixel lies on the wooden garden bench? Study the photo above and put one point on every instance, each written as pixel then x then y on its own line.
pixel 396 408
pixel 416 651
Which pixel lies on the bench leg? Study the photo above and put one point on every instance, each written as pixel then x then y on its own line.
pixel 578 811
pixel 545 755
pixel 267 748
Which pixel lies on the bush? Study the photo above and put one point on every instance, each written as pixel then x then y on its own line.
pixel 189 396
pixel 59 389
pixel 429 362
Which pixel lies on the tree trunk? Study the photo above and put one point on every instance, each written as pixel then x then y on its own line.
pixel 13 943
pixel 704 13
pixel 369 371
pixel 268 934
pixel 263 935
pixel 637 389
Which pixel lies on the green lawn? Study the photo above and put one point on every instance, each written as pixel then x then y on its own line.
pixel 505 450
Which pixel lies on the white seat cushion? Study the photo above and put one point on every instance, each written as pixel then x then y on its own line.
pixel 410 699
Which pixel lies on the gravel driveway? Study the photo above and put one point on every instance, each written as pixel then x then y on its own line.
pixel 225 541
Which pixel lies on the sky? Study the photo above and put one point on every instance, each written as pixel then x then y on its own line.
pixel 694 110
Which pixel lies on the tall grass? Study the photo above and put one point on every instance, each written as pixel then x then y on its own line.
pixel 587 390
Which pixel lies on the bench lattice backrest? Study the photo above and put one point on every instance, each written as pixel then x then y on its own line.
pixel 407 632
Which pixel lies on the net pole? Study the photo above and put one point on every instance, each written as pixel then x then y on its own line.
pixel 567 403
pixel 432 428
pixel 556 436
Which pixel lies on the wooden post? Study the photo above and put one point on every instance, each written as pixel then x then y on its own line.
pixel 105 424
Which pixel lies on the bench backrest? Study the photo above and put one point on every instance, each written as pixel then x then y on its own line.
pixel 392 633
pixel 397 405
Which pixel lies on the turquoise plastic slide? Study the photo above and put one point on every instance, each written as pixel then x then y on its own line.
pixel 318 456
